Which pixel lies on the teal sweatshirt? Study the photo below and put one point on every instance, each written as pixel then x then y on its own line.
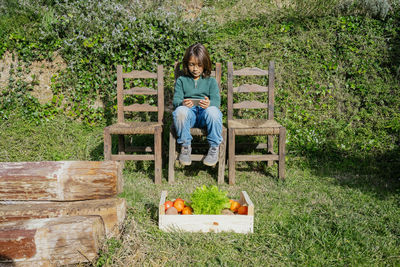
pixel 187 87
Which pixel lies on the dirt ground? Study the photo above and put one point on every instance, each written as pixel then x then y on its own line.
pixel 39 73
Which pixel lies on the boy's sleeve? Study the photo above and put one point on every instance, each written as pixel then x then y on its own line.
pixel 215 98
pixel 178 93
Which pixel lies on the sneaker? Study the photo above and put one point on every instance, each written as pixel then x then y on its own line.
pixel 212 156
pixel 184 157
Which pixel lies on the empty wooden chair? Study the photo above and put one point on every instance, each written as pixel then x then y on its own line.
pixel 173 153
pixel 254 127
pixel 122 127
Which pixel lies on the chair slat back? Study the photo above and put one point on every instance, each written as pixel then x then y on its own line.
pixel 135 74
pixel 250 72
pixel 140 91
pixel 141 108
pixel 249 104
pixel 217 74
pixel 251 88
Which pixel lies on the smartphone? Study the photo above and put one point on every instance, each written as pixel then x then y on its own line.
pixel 196 102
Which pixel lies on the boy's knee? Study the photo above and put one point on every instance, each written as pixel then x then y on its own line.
pixel 181 113
pixel 213 113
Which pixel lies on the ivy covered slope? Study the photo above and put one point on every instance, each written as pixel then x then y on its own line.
pixel 337 62
pixel 92 37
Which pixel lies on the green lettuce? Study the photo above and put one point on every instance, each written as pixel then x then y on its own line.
pixel 209 200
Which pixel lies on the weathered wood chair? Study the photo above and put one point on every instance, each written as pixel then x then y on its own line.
pixel 173 153
pixel 123 127
pixel 254 127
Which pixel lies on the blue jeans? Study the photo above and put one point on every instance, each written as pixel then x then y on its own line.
pixel 186 118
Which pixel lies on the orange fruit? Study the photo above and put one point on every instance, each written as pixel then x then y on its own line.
pixel 168 204
pixel 243 210
pixel 179 205
pixel 234 206
pixel 187 211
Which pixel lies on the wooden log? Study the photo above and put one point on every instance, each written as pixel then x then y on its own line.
pixel 111 210
pixel 60 180
pixel 51 242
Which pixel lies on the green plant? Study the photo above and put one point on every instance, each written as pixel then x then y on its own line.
pixel 93 38
pixel 209 200
pixel 111 246
pixel 330 204
pixel 337 69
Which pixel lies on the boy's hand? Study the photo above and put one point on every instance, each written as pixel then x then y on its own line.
pixel 205 103
pixel 187 103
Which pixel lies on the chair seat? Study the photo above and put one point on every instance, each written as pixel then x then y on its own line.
pixel 254 127
pixel 136 127
pixel 197 131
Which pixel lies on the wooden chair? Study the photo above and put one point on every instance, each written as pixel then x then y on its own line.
pixel 122 127
pixel 173 153
pixel 254 127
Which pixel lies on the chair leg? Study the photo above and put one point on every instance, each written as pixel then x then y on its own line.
pixel 282 144
pixel 121 144
pixel 231 156
pixel 107 145
pixel 171 158
pixel 222 156
pixel 121 147
pixel 157 155
pixel 270 149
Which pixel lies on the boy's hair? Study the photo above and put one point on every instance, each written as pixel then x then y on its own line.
pixel 200 52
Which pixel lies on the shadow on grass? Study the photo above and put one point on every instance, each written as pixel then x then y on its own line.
pixel 260 167
pixel 97 154
pixel 195 168
pixel 152 210
pixel 394 45
pixel 377 174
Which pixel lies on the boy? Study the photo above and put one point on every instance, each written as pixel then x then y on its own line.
pixel 197 101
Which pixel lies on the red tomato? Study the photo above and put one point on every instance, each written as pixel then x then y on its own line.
pixel 168 204
pixel 243 210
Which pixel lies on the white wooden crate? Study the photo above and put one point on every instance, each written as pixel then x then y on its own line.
pixel 207 223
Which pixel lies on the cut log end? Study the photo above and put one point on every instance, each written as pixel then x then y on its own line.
pixel 61 241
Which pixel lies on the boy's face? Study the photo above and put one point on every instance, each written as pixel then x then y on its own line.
pixel 195 67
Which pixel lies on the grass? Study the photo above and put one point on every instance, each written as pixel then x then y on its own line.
pixel 310 219
pixel 329 211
